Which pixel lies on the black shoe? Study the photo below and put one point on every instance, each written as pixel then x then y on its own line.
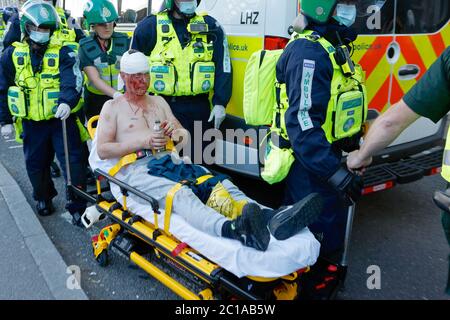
pixel 288 221
pixel 250 228
pixel 55 172
pixel 76 219
pixel 45 208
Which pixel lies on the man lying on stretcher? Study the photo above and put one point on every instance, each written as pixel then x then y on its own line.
pixel 216 206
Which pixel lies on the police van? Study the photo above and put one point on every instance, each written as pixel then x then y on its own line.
pixel 396 46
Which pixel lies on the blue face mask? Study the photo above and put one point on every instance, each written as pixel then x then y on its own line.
pixel 346 14
pixel 40 37
pixel 187 7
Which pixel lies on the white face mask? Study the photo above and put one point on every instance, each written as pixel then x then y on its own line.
pixel 346 14
pixel 187 7
pixel 40 37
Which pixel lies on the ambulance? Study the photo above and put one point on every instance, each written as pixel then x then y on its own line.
pixel 396 46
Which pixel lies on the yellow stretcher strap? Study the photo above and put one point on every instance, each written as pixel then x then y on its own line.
pixel 90 126
pixel 171 195
pixel 128 159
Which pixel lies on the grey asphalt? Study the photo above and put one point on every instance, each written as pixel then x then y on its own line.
pixel 30 266
pixel 397 230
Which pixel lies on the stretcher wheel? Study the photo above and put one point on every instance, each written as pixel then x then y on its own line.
pixel 103 259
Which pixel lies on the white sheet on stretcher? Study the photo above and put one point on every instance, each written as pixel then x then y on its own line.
pixel 281 257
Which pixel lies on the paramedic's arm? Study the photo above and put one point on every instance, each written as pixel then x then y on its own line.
pixel 144 36
pixel 382 133
pixel 107 147
pixel 7 71
pixel 308 139
pixel 71 78
pixel 223 81
pixel 101 85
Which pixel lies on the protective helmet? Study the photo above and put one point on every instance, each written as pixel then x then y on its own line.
pixel 99 11
pixel 39 14
pixel 320 11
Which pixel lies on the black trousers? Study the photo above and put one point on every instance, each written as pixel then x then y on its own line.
pixel 41 140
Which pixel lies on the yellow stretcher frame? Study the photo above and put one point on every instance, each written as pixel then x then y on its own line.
pixel 214 279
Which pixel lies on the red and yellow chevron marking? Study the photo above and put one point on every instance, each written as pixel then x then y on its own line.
pixel 419 50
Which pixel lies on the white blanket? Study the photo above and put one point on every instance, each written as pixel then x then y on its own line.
pixel 281 257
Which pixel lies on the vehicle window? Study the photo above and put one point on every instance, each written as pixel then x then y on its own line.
pixel 418 16
pixel 132 11
pixel 377 22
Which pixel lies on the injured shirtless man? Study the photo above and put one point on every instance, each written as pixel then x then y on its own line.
pixel 216 207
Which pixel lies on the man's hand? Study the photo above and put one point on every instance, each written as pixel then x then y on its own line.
pixel 63 111
pixel 7 130
pixel 168 128
pixel 117 94
pixel 218 114
pixel 156 141
pixel 355 163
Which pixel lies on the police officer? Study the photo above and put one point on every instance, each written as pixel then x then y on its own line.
pixel 100 55
pixel 69 32
pixel 12 29
pixel 41 84
pixel 326 109
pixel 189 58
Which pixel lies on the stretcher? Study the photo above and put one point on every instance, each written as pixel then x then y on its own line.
pixel 153 247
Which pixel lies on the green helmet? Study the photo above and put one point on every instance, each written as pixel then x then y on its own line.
pixel 39 14
pixel 318 11
pixel 99 11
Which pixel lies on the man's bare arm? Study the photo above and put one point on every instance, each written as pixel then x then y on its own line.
pixel 382 133
pixel 107 146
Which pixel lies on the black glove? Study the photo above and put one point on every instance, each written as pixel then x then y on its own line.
pixel 348 185
pixel 349 144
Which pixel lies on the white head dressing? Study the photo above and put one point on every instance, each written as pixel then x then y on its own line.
pixel 132 63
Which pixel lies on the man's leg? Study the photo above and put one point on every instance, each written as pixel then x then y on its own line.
pixel 39 154
pixel 286 221
pixel 249 228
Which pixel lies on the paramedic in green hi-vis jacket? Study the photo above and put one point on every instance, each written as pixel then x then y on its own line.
pixel 189 59
pixel 416 103
pixel 41 84
pixel 100 55
pixel 323 113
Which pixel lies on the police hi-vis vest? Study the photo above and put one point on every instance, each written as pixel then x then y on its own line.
pixel 178 71
pixel 347 108
pixel 35 96
pixel 107 63
pixel 65 36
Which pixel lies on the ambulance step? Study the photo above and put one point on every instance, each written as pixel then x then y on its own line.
pixel 430 162
pixel 405 173
pixel 376 178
